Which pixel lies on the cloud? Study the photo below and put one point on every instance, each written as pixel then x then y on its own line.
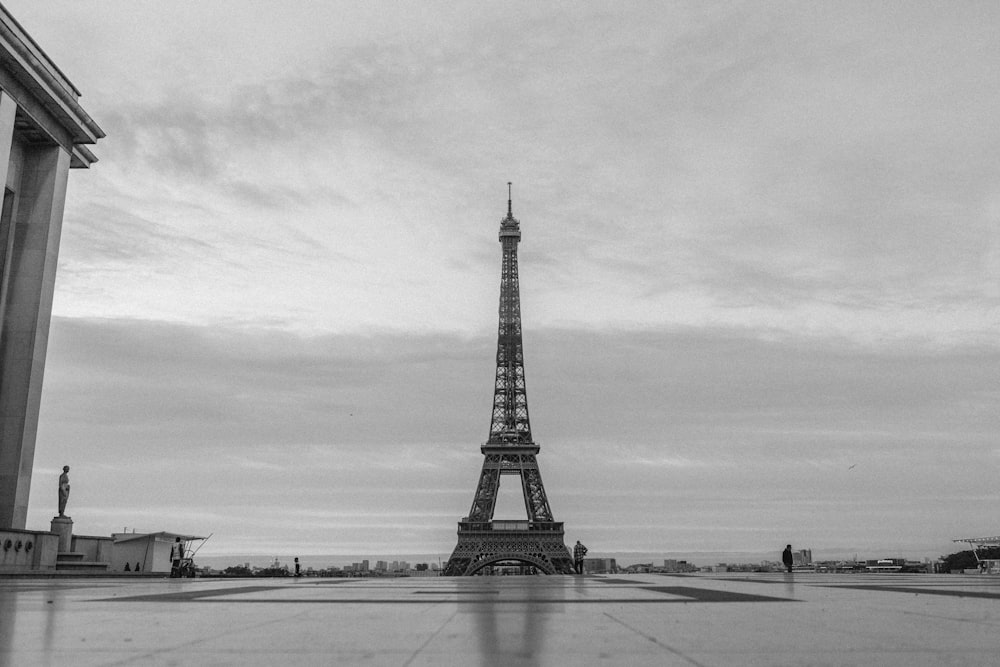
pixel 360 433
pixel 110 234
pixel 788 170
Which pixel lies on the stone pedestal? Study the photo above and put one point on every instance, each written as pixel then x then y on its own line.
pixel 63 527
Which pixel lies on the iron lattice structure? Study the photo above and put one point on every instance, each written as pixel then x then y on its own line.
pixel 510 450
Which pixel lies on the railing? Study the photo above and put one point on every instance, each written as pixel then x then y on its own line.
pixel 510 525
pixel 507 525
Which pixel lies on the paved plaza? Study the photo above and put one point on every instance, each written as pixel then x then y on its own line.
pixel 721 619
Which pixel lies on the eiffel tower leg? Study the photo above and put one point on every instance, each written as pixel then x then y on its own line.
pixel 486 493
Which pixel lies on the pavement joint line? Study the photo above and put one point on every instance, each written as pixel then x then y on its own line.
pixel 420 648
pixel 143 659
pixel 455 592
pixel 461 601
pixel 656 641
pixel 186 596
pixel 916 590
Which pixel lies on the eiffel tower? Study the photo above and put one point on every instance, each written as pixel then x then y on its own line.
pixel 510 450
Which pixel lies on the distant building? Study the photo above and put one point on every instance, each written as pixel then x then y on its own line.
pixel 884 565
pixel 600 566
pixel 637 568
pixel 671 565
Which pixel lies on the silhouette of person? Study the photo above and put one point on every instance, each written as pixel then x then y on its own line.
pixel 786 557
pixel 63 490
pixel 176 554
pixel 579 551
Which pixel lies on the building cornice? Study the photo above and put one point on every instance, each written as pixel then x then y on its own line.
pixel 26 62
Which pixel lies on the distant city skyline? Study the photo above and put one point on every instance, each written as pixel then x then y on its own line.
pixel 760 271
pixel 623 559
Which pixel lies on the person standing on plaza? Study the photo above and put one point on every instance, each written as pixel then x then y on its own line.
pixel 786 557
pixel 579 551
pixel 176 554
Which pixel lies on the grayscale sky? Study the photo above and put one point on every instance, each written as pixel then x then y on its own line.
pixel 760 271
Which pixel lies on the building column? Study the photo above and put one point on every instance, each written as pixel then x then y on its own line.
pixel 9 453
pixel 8 107
pixel 37 223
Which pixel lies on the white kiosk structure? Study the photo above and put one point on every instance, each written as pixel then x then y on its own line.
pixel 986 565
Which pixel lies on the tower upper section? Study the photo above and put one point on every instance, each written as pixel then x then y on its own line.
pixel 510 228
pixel 510 425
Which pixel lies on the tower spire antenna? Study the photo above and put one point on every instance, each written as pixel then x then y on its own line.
pixel 510 213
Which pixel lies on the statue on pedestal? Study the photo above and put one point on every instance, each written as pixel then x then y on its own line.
pixel 63 490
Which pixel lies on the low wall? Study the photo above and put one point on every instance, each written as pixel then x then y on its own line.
pixel 94 549
pixel 27 551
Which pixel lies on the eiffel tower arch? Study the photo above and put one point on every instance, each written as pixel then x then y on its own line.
pixel 510 450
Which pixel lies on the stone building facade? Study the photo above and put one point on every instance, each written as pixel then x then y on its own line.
pixel 44 132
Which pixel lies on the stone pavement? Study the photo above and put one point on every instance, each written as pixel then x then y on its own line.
pixel 719 619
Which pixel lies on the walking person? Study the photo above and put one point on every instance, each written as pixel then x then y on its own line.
pixel 786 557
pixel 579 551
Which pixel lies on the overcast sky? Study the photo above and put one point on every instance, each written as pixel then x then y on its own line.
pixel 760 271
